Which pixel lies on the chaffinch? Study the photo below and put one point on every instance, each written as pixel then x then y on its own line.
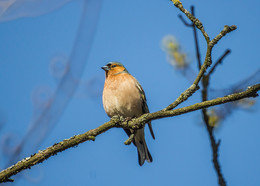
pixel 124 96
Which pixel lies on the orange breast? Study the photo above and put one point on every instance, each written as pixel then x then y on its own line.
pixel 121 96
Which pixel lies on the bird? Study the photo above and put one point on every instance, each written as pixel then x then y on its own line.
pixel 124 96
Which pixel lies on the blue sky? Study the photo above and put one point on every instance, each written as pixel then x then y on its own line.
pixel 130 32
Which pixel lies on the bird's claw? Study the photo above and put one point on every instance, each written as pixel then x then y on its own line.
pixel 117 118
pixel 127 119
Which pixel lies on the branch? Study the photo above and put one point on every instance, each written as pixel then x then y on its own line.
pixel 197 22
pixel 211 44
pixel 214 144
pixel 117 122
pixel 214 147
pixel 205 78
pixel 194 34
pixel 183 97
pixel 207 62
pixel 185 22
pixel 130 139
pixel 219 61
pixel 196 39
pixel 226 30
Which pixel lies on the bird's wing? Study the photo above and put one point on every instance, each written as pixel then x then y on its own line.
pixel 144 106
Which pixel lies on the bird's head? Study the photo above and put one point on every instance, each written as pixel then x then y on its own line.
pixel 114 68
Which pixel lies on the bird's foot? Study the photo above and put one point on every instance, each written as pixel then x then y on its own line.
pixel 131 137
pixel 127 119
pixel 117 118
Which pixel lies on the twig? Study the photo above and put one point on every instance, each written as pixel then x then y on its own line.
pixel 130 139
pixel 184 21
pixel 214 145
pixel 226 30
pixel 212 43
pixel 183 97
pixel 205 78
pixel 196 39
pixel 219 61
pixel 119 123
pixel 197 22
pixel 194 34
pixel 207 62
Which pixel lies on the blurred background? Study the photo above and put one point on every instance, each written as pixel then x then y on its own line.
pixel 51 89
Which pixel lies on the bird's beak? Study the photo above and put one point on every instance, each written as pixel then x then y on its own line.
pixel 105 68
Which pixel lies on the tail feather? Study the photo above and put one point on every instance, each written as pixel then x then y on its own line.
pixel 142 149
pixel 142 157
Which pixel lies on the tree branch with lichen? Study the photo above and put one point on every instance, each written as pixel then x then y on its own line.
pixel 207 62
pixel 117 122
pixel 205 84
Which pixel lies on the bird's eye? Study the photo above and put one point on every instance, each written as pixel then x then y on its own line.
pixel 113 66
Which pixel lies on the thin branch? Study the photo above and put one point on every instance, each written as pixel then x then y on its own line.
pixel 196 39
pixel 205 78
pixel 194 34
pixel 183 97
pixel 214 147
pixel 184 21
pixel 219 61
pixel 119 123
pixel 226 30
pixel 212 43
pixel 207 62
pixel 214 144
pixel 197 22
pixel 130 139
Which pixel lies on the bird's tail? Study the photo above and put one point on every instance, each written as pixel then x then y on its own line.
pixel 143 152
